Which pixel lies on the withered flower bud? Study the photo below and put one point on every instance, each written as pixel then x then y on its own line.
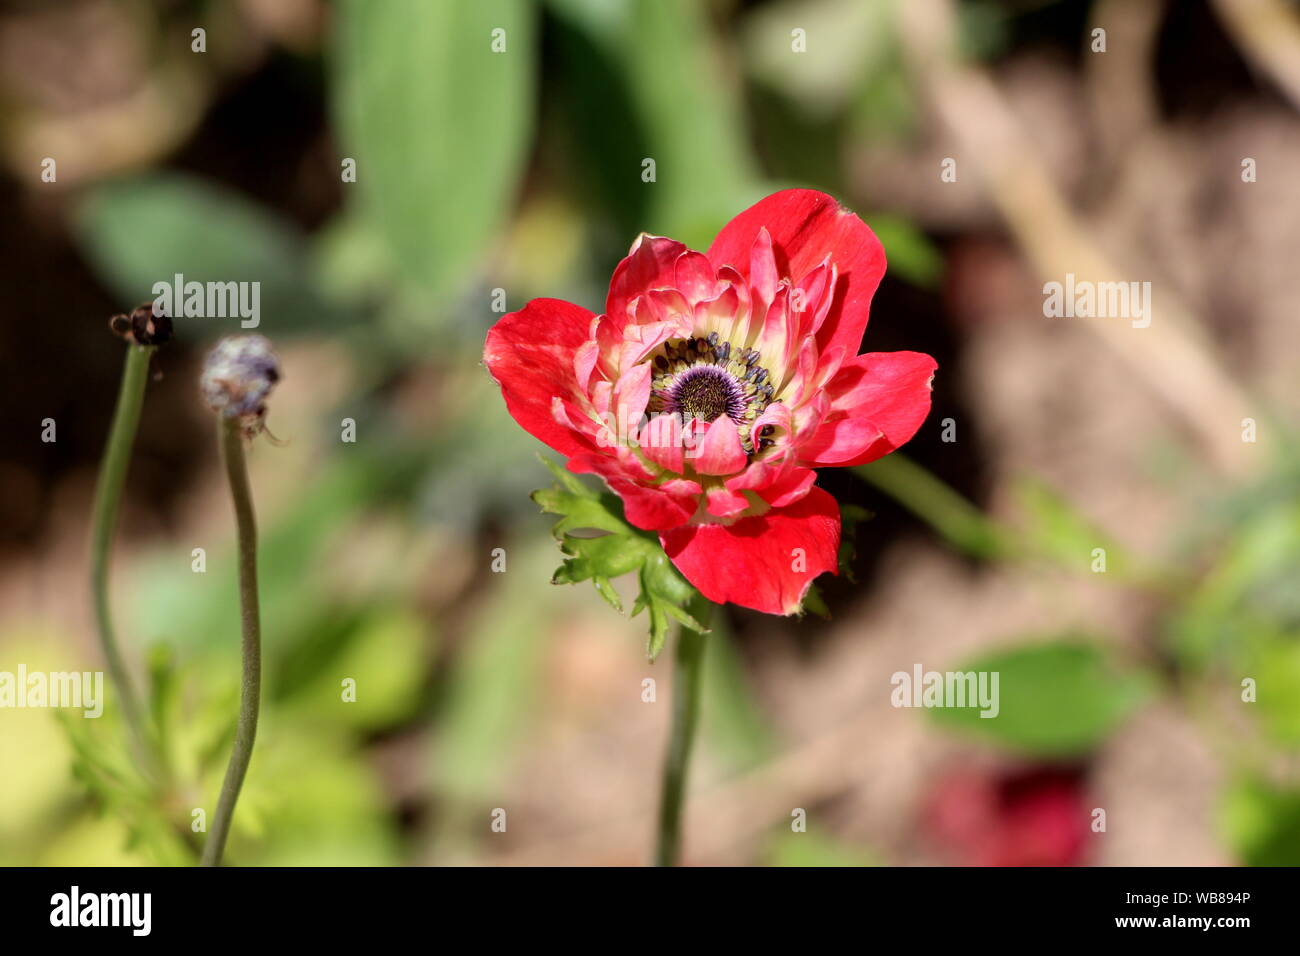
pixel 238 375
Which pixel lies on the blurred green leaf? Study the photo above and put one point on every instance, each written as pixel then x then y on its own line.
pixel 438 123
pixel 814 848
pixel 982 29
pixel 1054 699
pixel 384 649
pixel 1248 598
pixel 690 117
pixel 850 517
pixel 197 610
pixel 1261 821
pixel 911 254
pixel 495 682
pixel 1274 662
pixel 609 138
pixel 311 799
pixel 147 229
pixel 733 718
pixel 844 41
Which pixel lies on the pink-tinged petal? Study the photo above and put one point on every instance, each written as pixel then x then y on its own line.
pixel 650 264
pixel 723 503
pixel 764 562
pixel 632 394
pixel 663 306
pixel 602 394
pixel 591 432
pixel 797 386
pixel 695 277
pixel 717 314
pixel 777 484
pixel 530 354
pixel 735 327
pixel 779 338
pixel 661 442
pixel 777 414
pixel 720 451
pixel 816 294
pixel 658 509
pixel 584 363
pixel 805 227
pixel 763 275
pixel 877 402
pixel 652 507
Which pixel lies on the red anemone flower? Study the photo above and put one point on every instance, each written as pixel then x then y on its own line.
pixel 714 383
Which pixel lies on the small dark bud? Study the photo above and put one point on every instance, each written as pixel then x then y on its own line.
pixel 143 326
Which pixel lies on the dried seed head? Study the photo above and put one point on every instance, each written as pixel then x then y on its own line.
pixel 144 326
pixel 238 375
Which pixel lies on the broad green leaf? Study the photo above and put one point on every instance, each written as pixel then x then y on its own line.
pixel 438 122
pixel 147 229
pixel 1053 699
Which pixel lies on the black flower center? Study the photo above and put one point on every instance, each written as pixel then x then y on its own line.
pixel 705 379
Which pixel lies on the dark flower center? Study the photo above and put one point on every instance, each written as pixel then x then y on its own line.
pixel 705 379
pixel 705 392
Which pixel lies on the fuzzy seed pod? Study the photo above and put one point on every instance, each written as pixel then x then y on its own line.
pixel 238 375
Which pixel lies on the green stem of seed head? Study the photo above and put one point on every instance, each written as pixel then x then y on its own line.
pixel 232 456
pixel 108 498
pixel 688 675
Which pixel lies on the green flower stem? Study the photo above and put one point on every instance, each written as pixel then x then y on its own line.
pixel 108 498
pixel 232 455
pixel 688 675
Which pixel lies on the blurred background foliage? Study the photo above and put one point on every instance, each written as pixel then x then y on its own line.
pixel 513 161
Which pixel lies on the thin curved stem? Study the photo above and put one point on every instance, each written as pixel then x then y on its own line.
pixel 688 676
pixel 232 455
pixel 108 498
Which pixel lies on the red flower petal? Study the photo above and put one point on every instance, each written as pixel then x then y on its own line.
pixel 656 508
pixel 530 354
pixel 878 401
pixel 765 562
pixel 805 226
